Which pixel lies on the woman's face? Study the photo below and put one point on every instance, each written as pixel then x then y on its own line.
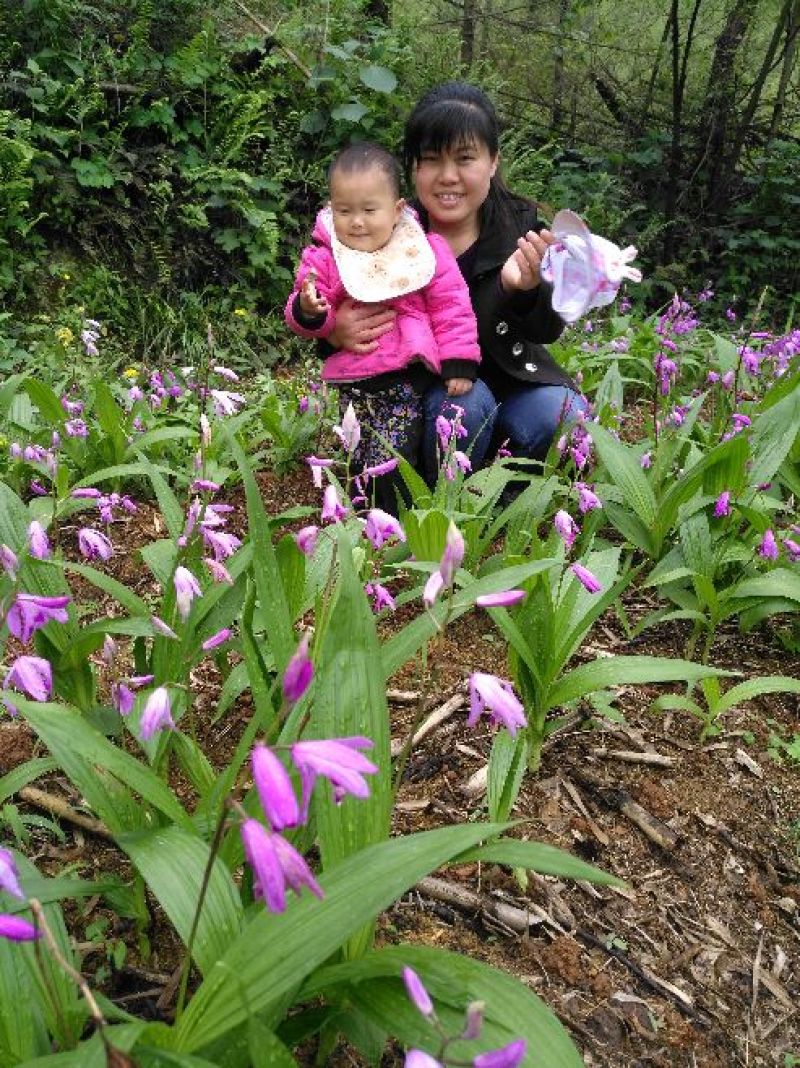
pixel 452 184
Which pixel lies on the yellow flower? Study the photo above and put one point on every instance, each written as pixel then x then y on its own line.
pixel 66 276
pixel 241 312
pixel 65 335
pixel 3 441
pixel 130 372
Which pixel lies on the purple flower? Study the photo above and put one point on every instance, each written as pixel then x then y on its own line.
pixel 587 499
pixel 417 993
pixel 298 674
pixel 349 432
pixel 768 547
pixel 723 505
pixel 381 598
pixel 29 612
pixel 332 509
pixel 302 405
pixel 504 599
pixel 508 1057
pixel 76 428
pixel 122 698
pixel 274 788
pixel 94 545
pixel 316 464
pixel 204 485
pixel 276 865
pixel 38 488
pixel 586 578
pixel 16 929
pixel 382 527
pixel 646 460
pixel 9 876
pixel 339 761
pixel 226 372
pixel 740 421
pixel 727 379
pixel 451 561
pixel 39 545
pixel 157 714
pixel 186 588
pixel 488 693
pixel 86 493
pixel 226 403
pixel 566 527
pixel 473 1025
pixel 160 627
pixel 417 1058
pixel 216 639
pixel 9 561
pixel 32 675
pixel 730 315
pixel 219 572
pixel 380 469
pixel 221 543
pixel 793 549
pixel 306 539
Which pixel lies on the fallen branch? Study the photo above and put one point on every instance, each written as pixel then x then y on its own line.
pixel 629 756
pixel 56 806
pixel 651 826
pixel 434 720
pixel 510 916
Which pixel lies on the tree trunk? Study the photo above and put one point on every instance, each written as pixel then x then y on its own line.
pixel 720 96
pixel 787 68
pixel 680 67
pixel 468 34
pixel 557 110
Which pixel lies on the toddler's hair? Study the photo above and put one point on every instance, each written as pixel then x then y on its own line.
pixel 363 156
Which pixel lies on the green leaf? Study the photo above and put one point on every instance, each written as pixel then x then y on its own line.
pixel 121 594
pixel 239 986
pixel 84 753
pixel 771 437
pixel 45 400
pixel 622 670
pixel 507 764
pixel 266 1049
pixel 271 594
pixel 512 1010
pixel 350 699
pixel 169 504
pixel 746 691
pixel 25 774
pixel 352 112
pixel 541 858
pixel 381 79
pixel 172 863
pixel 780 582
pixel 622 464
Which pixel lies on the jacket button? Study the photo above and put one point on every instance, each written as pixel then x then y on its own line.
pixel 531 367
pixel 517 348
pixel 502 328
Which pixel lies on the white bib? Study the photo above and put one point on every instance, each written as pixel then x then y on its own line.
pixel 405 264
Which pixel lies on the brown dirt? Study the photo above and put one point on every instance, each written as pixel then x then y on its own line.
pixel 658 973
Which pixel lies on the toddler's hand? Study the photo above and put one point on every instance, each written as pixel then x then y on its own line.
pixel 312 302
pixel 457 387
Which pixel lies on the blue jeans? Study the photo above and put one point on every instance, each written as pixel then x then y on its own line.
pixel 528 418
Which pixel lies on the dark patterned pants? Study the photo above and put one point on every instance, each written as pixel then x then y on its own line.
pixel 391 423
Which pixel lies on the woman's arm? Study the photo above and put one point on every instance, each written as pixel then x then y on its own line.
pixel 358 326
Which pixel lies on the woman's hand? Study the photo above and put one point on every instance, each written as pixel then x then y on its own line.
pixel 521 270
pixel 359 325
pixel 457 387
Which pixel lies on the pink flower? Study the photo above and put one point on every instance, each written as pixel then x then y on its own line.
pixel 219 572
pixel 381 598
pixel 160 627
pixel 335 759
pixel 332 509
pixel 587 499
pixel 30 612
pixel 768 547
pixel 216 640
pixel 417 1058
pixel 226 403
pixel 94 545
pixel 298 674
pixel 500 600
pixel 566 527
pixel 306 540
pixel 221 543
pixel 276 865
pixel 454 549
pixel 157 714
pixel 417 993
pixel 586 578
pixel 382 527
pixel 488 693
pixel 723 505
pixel 274 788
pixel 380 469
pixel 349 432
pixel 508 1057
pixel 17 930
pixel 316 464
pixel 9 876
pixel 186 588
pixel 39 545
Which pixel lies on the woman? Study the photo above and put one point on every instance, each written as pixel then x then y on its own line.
pixel 451 153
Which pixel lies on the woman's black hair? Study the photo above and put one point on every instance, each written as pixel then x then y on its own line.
pixel 450 116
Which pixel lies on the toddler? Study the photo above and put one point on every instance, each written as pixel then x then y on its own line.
pixel 369 245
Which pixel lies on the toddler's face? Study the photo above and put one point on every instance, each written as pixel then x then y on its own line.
pixel 365 209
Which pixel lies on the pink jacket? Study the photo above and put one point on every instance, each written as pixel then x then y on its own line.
pixel 435 324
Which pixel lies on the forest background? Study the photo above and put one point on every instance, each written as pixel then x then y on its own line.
pixel 160 162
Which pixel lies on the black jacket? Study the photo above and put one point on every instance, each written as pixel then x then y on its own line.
pixel 513 329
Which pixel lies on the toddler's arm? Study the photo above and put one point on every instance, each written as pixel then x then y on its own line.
pixel 309 311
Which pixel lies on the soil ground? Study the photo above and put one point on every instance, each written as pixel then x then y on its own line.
pixel 695 961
